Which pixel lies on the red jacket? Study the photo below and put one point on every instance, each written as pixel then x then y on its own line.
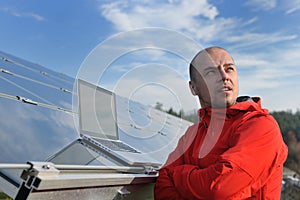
pixel 246 161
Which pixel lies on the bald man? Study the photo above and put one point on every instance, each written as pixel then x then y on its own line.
pixel 235 151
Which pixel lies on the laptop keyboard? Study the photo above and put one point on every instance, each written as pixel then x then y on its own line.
pixel 116 145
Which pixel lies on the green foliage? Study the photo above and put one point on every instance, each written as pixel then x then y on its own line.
pixel 158 106
pixel 288 121
pixel 193 117
pixel 172 112
pixel 4 196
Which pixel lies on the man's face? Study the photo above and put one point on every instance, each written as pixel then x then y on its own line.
pixel 215 80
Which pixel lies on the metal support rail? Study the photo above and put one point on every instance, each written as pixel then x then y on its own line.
pixel 29 101
pixel 14 166
pixel 71 167
pixel 34 70
pixel 35 81
pixel 43 179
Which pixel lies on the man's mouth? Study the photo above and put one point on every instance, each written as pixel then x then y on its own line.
pixel 226 88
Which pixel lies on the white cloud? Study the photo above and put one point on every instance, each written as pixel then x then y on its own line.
pixel 266 5
pixel 249 60
pixel 272 74
pixel 290 6
pixel 199 20
pixel 17 13
pixel 179 15
pixel 153 83
pixel 253 39
pixel 250 21
pixel 285 55
pixel 34 16
pixel 294 9
pixel 262 4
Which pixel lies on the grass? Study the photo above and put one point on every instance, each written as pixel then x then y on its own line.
pixel 3 196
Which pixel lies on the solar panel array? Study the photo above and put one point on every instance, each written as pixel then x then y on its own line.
pixel 38 121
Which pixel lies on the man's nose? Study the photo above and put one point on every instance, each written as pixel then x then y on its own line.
pixel 223 74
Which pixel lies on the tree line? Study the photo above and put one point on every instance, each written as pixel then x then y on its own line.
pixel 289 123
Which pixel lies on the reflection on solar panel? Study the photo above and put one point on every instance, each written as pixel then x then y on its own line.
pixel 42 153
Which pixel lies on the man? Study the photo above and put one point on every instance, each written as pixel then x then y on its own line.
pixel 235 151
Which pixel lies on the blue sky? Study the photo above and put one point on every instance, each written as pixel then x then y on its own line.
pixel 261 35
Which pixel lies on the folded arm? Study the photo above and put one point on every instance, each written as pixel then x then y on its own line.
pixel 238 172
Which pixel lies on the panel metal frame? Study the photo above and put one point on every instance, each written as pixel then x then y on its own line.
pixel 46 180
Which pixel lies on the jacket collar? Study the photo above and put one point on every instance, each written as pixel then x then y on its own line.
pixel 243 104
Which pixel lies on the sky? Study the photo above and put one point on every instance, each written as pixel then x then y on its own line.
pixel 261 35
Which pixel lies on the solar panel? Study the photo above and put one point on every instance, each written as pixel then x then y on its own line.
pixel 36 116
pixel 38 122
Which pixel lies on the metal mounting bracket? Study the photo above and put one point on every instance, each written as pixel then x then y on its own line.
pixel 31 179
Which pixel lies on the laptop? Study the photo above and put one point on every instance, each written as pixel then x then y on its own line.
pixel 99 128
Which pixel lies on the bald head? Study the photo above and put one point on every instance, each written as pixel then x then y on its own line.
pixel 214 77
pixel 203 57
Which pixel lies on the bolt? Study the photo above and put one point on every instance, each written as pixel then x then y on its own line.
pixel 46 166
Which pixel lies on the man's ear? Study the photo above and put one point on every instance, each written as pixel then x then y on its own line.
pixel 192 88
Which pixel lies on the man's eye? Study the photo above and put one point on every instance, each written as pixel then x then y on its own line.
pixel 210 72
pixel 229 69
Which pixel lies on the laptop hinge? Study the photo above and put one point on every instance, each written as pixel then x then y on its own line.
pixel 88 142
pixel 150 170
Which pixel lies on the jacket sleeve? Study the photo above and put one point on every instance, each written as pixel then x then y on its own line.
pixel 244 168
pixel 164 186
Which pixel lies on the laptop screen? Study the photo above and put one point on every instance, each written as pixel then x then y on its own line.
pixel 97 112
